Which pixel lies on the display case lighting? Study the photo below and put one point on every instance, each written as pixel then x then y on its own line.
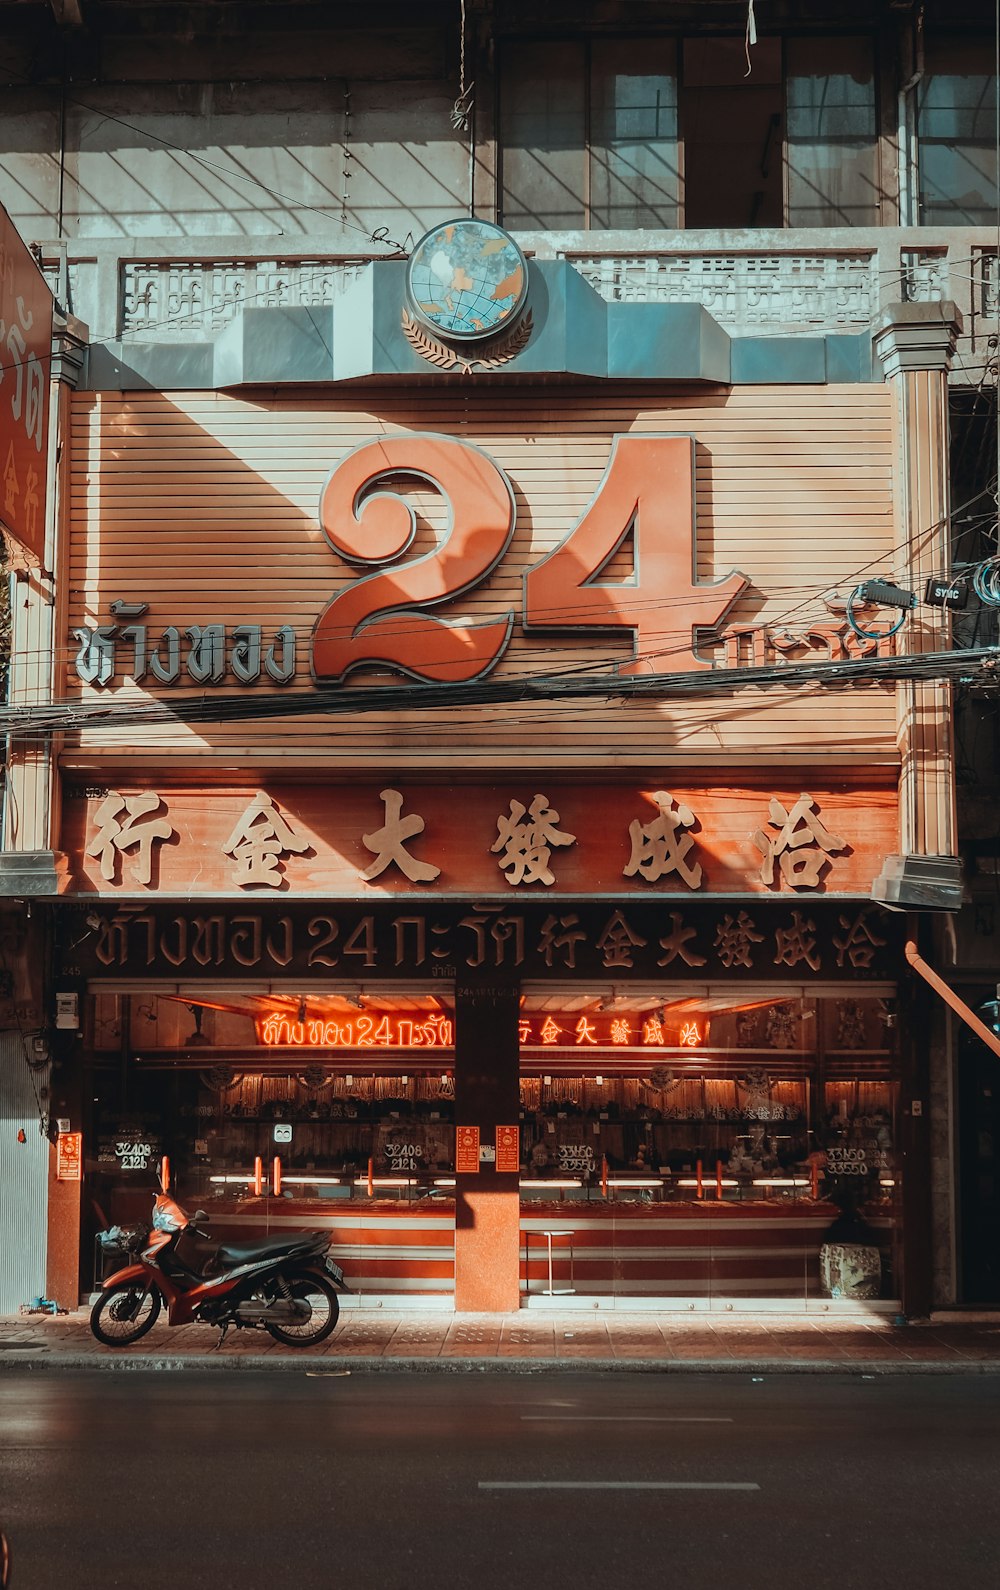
pixel 692 1181
pixel 444 1181
pixel 635 1181
pixel 781 1181
pixel 386 1181
pixel 550 1182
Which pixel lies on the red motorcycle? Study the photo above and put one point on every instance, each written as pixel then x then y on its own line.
pixel 286 1285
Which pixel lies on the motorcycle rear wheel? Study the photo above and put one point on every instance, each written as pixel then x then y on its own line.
pixel 124 1313
pixel 324 1306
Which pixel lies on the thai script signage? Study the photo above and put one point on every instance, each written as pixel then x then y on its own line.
pixel 351 841
pixel 365 1031
pixel 25 363
pixel 797 941
pixel 387 617
pixel 69 1156
pixel 508 1144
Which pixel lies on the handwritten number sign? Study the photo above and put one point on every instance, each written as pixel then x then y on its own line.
pixel 646 498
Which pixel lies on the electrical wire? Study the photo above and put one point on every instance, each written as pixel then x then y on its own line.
pixel 63 717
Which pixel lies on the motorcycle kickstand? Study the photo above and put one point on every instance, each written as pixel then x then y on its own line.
pixel 222 1336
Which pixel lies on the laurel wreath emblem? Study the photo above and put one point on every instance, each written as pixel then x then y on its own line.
pixel 438 353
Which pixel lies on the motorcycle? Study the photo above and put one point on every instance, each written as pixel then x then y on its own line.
pixel 286 1284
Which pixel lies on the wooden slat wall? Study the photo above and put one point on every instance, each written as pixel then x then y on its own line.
pixel 205 506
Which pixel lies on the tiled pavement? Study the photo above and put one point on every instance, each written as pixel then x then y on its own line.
pixel 369 1340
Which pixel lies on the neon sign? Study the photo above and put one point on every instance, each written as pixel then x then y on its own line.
pixel 569 1030
pixel 368 1031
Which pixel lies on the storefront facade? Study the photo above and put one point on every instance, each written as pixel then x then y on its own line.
pixel 691 1131
pixel 580 983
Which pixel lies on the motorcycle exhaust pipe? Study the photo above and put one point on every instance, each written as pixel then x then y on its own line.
pixel 281 1312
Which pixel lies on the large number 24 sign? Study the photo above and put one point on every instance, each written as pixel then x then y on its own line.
pixel 382 619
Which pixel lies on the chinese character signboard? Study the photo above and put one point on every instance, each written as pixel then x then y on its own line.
pixel 793 940
pixel 69 1156
pixel 517 840
pixel 25 361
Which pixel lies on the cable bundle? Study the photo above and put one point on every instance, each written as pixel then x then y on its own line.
pixel 986 582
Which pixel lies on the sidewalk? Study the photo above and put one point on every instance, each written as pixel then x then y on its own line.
pixel 373 1340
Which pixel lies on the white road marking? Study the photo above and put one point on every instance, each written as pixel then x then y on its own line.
pixel 618 1485
pixel 625 1418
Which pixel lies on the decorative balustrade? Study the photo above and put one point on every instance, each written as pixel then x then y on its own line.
pixel 169 298
pixel 766 284
pixel 774 292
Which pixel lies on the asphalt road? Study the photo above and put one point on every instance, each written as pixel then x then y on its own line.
pixel 488 1482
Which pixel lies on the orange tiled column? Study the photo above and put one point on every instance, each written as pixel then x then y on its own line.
pixel 487 1202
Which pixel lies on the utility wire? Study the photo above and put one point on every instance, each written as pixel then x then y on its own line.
pixel 61 717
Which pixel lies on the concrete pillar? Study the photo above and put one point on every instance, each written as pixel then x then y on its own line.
pixel 30 863
pixel 487 1204
pixel 915 343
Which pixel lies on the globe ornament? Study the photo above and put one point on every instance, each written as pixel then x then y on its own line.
pixel 466 285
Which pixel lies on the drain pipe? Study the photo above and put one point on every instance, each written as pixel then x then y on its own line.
pixel 906 130
pixel 961 1009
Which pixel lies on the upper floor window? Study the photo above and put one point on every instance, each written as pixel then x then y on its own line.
pixel 589 135
pixel 831 136
pixel 664 133
pixel 956 134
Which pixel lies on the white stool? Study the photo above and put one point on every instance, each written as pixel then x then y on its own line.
pixel 559 1291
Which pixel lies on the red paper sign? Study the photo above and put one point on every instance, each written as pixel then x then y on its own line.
pixel 69 1156
pixel 467 1150
pixel 25 360
pixel 509 1148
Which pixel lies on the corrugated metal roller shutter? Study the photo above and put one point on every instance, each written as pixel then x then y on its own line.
pixel 205 505
pixel 23 1178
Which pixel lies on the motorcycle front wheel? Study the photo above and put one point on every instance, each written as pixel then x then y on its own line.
pixel 323 1305
pixel 124 1313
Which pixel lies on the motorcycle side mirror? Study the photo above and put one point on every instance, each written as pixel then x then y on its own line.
pixel 199 1218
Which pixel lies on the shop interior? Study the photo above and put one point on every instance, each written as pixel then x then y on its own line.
pixel 626 1095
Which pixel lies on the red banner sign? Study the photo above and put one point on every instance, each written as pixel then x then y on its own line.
pixel 508 1148
pixel 467 1150
pixel 25 360
pixel 69 1156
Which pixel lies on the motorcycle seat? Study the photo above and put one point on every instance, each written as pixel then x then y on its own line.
pixel 232 1253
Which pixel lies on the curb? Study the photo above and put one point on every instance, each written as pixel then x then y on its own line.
pixel 41 1360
